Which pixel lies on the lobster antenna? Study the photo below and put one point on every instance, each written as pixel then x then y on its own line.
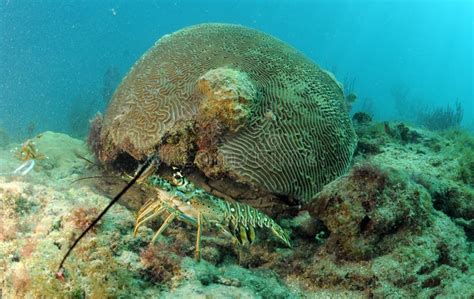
pixel 93 177
pixel 142 169
pixel 82 157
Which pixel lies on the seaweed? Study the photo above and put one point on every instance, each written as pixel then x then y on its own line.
pixel 161 265
pixel 441 118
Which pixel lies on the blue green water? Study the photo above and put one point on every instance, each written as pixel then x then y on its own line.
pixel 54 54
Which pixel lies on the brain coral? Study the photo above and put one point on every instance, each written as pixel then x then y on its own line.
pixel 234 102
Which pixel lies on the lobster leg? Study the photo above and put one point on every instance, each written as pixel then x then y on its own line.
pixel 165 224
pixel 142 220
pixel 243 235
pixel 197 254
pixel 251 234
pixel 148 208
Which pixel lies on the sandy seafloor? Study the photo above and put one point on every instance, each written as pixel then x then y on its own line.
pixel 398 225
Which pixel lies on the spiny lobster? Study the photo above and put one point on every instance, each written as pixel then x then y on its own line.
pixel 182 200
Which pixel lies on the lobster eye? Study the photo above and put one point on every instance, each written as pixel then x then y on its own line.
pixel 178 178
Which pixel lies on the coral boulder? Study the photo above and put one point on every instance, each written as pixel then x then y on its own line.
pixel 232 102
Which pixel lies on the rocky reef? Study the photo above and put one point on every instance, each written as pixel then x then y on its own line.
pixel 265 118
pixel 42 213
pixel 398 224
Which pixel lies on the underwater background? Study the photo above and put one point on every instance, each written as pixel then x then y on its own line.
pixel 381 206
pixel 67 57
